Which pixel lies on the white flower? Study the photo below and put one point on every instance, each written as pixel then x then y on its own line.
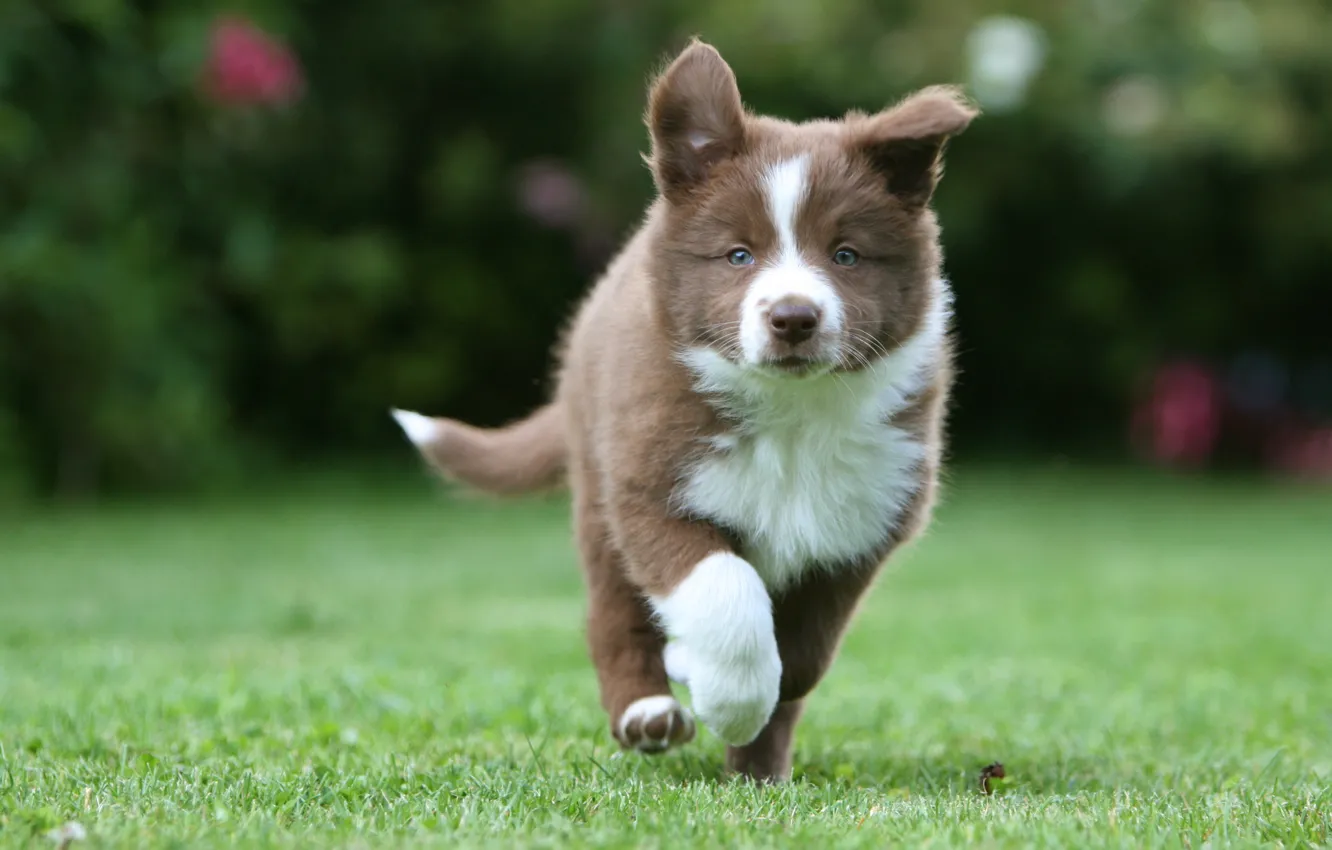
pixel 1005 53
pixel 1134 106
pixel 68 833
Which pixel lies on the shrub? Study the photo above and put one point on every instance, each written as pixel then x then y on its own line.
pixel 194 281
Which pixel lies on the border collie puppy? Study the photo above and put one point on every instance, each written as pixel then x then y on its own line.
pixel 749 407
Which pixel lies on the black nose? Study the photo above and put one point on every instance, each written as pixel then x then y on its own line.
pixel 793 321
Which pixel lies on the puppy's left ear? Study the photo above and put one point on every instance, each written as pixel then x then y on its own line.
pixel 905 144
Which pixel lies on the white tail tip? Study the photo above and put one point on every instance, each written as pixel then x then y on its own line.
pixel 419 429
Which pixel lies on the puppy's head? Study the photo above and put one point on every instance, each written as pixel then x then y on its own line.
pixel 793 249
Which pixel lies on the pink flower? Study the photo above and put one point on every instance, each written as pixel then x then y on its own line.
pixel 1180 420
pixel 247 66
pixel 1303 453
pixel 551 194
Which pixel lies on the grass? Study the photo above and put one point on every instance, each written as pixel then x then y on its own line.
pixel 384 666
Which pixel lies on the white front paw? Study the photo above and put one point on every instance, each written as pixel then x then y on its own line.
pixel 677 663
pixel 724 647
pixel 735 697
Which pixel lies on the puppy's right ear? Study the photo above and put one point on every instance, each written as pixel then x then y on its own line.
pixel 696 119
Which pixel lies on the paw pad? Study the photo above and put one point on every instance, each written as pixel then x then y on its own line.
pixel 655 724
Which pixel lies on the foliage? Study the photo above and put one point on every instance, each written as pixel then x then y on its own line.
pixel 189 284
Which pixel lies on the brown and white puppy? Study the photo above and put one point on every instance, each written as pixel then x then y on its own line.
pixel 749 407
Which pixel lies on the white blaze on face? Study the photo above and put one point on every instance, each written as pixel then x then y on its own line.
pixel 787 274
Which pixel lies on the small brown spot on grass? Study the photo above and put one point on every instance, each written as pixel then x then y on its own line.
pixel 989 772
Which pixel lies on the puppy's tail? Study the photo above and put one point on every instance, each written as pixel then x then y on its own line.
pixel 522 457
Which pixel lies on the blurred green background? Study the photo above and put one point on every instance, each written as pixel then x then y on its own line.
pixel 233 236
pixel 199 285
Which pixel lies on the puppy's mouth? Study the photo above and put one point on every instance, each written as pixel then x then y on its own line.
pixel 796 366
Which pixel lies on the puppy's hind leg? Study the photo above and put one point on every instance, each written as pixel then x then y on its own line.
pixel 768 757
pixel 810 620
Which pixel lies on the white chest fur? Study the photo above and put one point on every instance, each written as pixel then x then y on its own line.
pixel 817 474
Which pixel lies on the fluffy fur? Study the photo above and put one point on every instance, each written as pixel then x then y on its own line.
pixel 749 407
pixel 720 618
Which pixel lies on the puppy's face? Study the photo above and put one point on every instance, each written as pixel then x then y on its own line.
pixel 793 249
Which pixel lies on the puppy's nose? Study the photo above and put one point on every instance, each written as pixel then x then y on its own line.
pixel 793 320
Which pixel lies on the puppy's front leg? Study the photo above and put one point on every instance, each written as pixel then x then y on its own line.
pixel 724 646
pixel 714 609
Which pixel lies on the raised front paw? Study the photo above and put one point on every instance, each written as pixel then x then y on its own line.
pixel 723 646
pixel 733 697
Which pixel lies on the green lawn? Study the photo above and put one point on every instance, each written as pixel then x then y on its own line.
pixel 378 664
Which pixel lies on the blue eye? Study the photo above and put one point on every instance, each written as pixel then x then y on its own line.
pixel 846 257
pixel 740 257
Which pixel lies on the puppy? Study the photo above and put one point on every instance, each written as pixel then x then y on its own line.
pixel 749 407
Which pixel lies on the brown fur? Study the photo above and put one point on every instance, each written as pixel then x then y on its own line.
pixel 521 457
pixel 626 422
